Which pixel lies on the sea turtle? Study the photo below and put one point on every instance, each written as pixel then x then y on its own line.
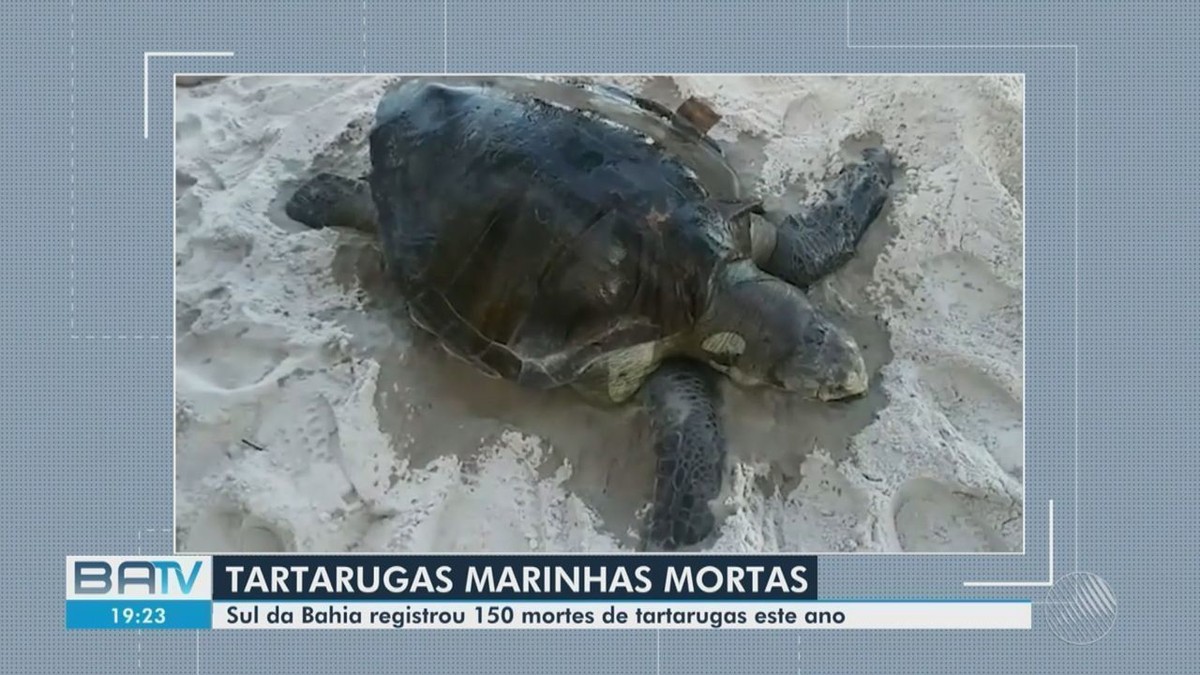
pixel 572 234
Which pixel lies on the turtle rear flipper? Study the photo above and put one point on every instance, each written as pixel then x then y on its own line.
pixel 329 200
pixel 823 235
pixel 682 400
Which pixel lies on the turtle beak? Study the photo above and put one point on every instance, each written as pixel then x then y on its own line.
pixel 830 381
pixel 853 381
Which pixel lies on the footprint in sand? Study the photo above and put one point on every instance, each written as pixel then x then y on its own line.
pixel 963 287
pixel 300 438
pixel 264 358
pixel 305 424
pixel 234 530
pixel 981 410
pixel 932 516
pixel 973 401
pixel 210 256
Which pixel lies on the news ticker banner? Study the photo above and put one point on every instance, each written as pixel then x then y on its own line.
pixel 501 592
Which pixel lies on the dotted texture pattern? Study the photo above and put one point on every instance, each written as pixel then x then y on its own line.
pixel 87 251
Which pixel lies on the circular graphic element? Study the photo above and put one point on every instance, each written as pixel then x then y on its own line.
pixel 1080 608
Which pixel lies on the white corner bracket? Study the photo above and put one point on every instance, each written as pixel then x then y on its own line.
pixel 146 81
pixel 1029 584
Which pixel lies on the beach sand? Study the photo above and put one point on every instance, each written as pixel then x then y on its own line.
pixel 309 419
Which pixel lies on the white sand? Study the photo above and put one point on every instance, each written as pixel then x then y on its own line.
pixel 375 441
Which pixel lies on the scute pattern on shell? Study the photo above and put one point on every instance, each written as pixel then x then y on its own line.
pixel 538 240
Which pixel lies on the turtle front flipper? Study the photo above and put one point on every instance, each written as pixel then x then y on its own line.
pixel 823 235
pixel 682 399
pixel 329 200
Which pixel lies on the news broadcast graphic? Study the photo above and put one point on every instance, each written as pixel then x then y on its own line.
pixel 523 592
pixel 196 374
pixel 139 592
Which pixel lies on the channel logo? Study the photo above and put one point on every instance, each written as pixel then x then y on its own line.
pixel 139 577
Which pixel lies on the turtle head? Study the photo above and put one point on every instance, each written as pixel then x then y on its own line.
pixel 763 331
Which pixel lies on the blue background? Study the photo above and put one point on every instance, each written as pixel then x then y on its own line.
pixel 86 352
pixel 175 614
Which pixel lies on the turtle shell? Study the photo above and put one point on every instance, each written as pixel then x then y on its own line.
pixel 550 233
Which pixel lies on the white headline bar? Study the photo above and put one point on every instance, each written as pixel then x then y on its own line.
pixel 683 615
